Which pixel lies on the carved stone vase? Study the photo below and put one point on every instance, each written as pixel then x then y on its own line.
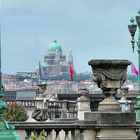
pixel 109 75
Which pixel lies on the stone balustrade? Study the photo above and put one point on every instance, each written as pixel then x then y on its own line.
pixel 55 130
pixel 70 129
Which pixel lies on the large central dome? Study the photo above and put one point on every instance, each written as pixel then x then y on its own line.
pixel 54 46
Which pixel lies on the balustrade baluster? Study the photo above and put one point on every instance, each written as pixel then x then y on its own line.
pixel 77 134
pixel 73 134
pixel 28 134
pixel 34 135
pixel 81 134
pixel 57 134
pixel 43 135
pixel 67 135
pixel 48 135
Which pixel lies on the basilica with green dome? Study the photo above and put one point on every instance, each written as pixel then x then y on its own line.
pixel 55 63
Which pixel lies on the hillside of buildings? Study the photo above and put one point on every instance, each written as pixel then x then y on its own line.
pixel 26 81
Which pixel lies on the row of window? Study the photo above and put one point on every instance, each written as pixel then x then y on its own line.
pixel 54 56
pixel 23 103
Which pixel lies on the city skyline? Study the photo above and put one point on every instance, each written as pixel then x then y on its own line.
pixel 92 29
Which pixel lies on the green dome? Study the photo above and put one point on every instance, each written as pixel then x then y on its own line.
pixel 54 46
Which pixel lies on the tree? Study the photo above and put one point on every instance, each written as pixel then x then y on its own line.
pixel 15 112
pixel 77 76
pixel 132 78
pixel 83 76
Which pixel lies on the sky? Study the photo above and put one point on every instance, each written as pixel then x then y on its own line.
pixel 93 29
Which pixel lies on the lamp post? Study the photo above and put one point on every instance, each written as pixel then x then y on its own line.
pixel 132 29
pixel 6 130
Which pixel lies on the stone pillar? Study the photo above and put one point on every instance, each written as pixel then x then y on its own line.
pixel 83 105
pixel 112 123
pixel 39 102
pixel 89 134
pixel 64 109
pixel 73 134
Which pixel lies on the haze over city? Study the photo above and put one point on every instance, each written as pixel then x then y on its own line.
pixel 92 29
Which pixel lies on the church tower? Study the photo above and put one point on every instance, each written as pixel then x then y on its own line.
pixel 70 57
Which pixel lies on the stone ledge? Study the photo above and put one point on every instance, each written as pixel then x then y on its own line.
pixel 111 117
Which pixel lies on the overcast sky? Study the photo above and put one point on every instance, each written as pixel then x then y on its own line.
pixel 93 29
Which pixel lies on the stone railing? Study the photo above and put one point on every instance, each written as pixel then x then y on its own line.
pixel 68 129
pixel 62 129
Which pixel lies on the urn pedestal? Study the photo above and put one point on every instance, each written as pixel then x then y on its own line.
pixel 111 122
pixel 109 75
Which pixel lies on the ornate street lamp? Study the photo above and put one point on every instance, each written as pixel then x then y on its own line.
pixel 132 29
pixel 6 130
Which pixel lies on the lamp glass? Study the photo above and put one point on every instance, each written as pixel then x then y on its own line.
pixel 132 27
pixel 138 18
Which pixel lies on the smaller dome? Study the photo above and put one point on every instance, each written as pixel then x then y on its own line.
pixel 54 47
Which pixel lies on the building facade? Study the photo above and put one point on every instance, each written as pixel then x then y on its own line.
pixel 55 62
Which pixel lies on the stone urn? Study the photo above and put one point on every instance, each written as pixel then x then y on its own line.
pixel 109 75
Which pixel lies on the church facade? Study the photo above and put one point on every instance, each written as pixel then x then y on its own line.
pixel 55 62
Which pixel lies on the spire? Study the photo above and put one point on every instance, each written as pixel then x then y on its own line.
pixel 70 57
pixel 40 71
